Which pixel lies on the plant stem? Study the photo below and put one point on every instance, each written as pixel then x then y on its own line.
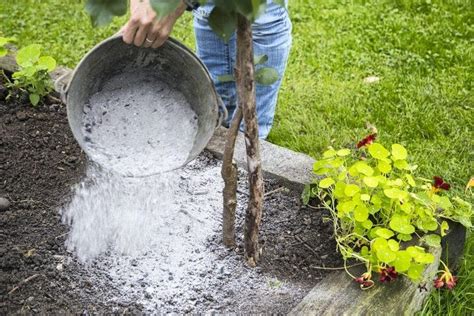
pixel 229 174
pixel 246 93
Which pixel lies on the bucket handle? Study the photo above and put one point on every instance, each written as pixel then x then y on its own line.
pixel 223 113
pixel 61 85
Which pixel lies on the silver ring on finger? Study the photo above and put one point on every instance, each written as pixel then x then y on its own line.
pixel 149 40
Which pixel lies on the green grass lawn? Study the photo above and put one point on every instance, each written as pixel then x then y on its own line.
pixel 422 51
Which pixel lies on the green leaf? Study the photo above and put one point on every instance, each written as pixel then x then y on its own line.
pixel 222 23
pixel 393 245
pixel 401 224
pixel 326 183
pixel 34 98
pixel 404 237
pixel 102 11
pixel 377 151
pixel 402 262
pixel 343 152
pixel 339 190
pixel 3 51
pixel 395 193
pixel 432 240
pixel 384 166
pixel 371 182
pixel 164 7
pixel 365 197
pixel 6 40
pixel 410 180
pixel 444 227
pixel 367 224
pixel 415 271
pixel 306 194
pixel 260 59
pixel 266 76
pixel 346 207
pixel 399 152
pixel 361 213
pixel 386 255
pixel 251 9
pixel 226 78
pixel 384 233
pixel 28 55
pixel 47 62
pixel 364 168
pixel 401 164
pixel 351 189
pixel 329 153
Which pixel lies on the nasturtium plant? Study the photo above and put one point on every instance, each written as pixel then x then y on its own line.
pixel 378 204
pixel 32 76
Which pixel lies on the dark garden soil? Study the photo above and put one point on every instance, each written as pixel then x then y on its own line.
pixel 40 161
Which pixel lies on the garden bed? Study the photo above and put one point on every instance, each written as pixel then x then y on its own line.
pixel 40 162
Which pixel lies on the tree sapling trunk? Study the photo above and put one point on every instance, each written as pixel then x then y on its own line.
pixel 245 81
pixel 229 174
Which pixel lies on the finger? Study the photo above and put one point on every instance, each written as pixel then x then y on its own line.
pixel 141 34
pixel 129 32
pixel 149 39
pixel 160 40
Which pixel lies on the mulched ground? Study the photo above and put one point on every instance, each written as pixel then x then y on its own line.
pixel 40 160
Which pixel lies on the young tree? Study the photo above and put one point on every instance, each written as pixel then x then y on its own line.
pixel 227 17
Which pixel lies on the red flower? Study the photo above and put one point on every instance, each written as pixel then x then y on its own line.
pixel 438 283
pixel 451 283
pixel 366 141
pixel 446 279
pixel 439 184
pixel 388 274
pixel 365 281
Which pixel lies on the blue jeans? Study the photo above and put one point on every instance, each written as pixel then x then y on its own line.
pixel 271 37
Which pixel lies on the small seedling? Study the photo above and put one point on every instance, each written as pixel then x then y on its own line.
pixel 32 76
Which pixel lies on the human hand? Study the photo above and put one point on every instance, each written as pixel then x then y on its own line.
pixel 143 29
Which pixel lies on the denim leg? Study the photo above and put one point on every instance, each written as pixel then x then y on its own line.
pixel 218 56
pixel 271 37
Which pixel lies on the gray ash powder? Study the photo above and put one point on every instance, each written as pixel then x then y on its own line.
pixel 138 125
pixel 156 240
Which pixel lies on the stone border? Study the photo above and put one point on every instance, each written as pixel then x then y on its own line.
pixel 337 293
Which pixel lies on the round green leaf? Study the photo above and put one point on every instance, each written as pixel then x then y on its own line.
pixel 266 76
pixel 329 153
pixel 402 262
pixel 163 7
pixel 223 23
pixel 393 245
pixel 28 55
pixel 386 255
pixel 34 98
pixel 343 152
pixel 361 213
pixel 364 168
pixel 401 164
pixel 371 182
pixel 384 233
pixel 415 271
pixel 399 152
pixel 326 183
pixel 367 224
pixel 346 207
pixel 365 197
pixel 379 243
pixel 351 189
pixel 384 167
pixel 377 151
pixel 404 237
pixel 444 227
pixel 432 240
pixel 47 62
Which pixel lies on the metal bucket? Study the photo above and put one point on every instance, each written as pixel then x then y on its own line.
pixel 173 66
